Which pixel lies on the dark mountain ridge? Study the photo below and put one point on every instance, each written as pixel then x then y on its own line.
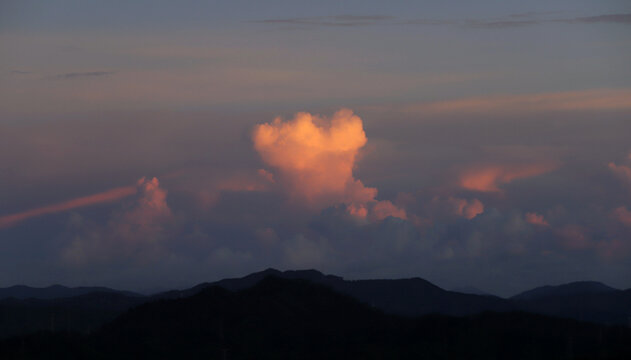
pixel 55 291
pixel 298 319
pixel 573 288
pixel 404 297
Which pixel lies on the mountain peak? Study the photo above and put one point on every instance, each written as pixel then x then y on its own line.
pixel 573 288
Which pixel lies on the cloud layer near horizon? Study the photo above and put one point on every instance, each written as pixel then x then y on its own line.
pixel 294 193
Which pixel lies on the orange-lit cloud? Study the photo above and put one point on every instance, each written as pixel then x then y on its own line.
pixel 212 190
pixel 103 197
pixel 622 172
pixel 384 209
pixel 536 219
pixel 138 231
pixel 489 178
pixel 315 156
pixel 597 99
pixel 466 208
pixel 623 215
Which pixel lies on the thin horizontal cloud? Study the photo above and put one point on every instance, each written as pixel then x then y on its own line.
pixel 511 21
pixel 608 18
pixel 488 178
pixel 334 21
pixel 103 197
pixel 74 75
pixel 508 21
pixel 597 99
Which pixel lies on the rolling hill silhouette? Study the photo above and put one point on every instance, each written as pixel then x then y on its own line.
pixel 574 288
pixel 55 292
pixel 585 301
pixel 298 319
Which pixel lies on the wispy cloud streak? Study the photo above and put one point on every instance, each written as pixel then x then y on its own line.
pixel 74 75
pixel 508 21
pixel 103 197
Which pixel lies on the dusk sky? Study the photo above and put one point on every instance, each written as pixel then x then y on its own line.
pixel 158 144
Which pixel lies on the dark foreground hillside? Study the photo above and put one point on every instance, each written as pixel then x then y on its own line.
pixel 296 319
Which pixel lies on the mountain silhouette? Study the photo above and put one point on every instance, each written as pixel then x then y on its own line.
pixel 406 297
pixel 574 288
pixel 585 301
pixel 54 292
pixel 82 313
pixel 470 290
pixel 281 318
pixel 592 302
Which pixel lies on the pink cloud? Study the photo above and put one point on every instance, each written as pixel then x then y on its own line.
pixel 536 219
pixel 488 178
pixel 622 172
pixel 314 158
pixel 384 209
pixel 138 231
pixel 103 197
pixel 623 215
pixel 468 209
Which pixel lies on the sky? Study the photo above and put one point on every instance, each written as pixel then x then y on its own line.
pixel 157 144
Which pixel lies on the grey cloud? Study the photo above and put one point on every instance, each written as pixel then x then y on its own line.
pixel 608 18
pixel 508 21
pixel 333 21
pixel 74 75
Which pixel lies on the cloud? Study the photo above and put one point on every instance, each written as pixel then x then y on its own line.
pixel 315 157
pixel 137 231
pixel 536 219
pixel 624 18
pixel 466 208
pixel 623 215
pixel 582 100
pixel 622 172
pixel 575 237
pixel 507 21
pixel 488 178
pixel 384 209
pixel 103 197
pixel 74 75
pixel 332 21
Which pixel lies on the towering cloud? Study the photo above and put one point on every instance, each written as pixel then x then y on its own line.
pixel 314 158
pixel 138 231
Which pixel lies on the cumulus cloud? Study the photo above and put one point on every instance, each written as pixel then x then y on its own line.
pixel 136 231
pixel 623 215
pixel 384 209
pixel 314 158
pixel 536 219
pixel 622 172
pixel 103 197
pixel 466 208
pixel 488 178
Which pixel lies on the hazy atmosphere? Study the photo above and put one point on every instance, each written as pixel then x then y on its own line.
pixel 151 144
